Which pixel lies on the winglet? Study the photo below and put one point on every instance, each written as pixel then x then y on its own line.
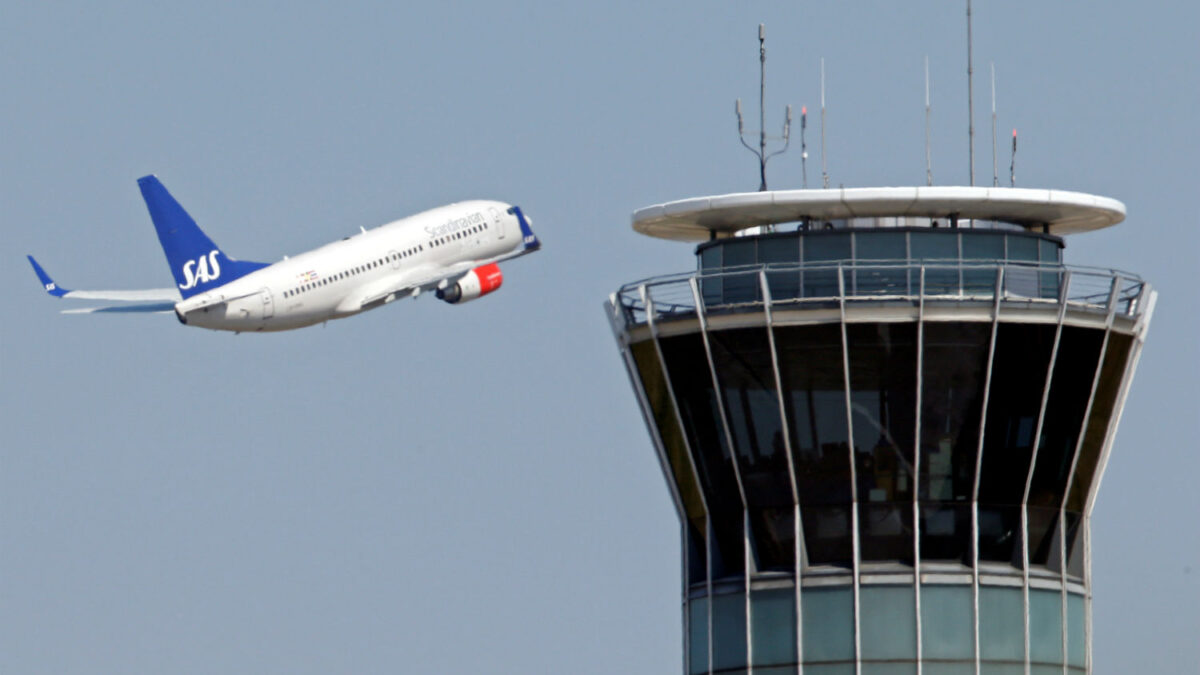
pixel 48 283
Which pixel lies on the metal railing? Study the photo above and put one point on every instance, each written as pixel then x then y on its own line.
pixel 811 285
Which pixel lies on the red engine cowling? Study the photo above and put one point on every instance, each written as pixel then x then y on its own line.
pixel 474 284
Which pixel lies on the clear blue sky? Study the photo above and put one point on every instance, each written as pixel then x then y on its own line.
pixel 428 488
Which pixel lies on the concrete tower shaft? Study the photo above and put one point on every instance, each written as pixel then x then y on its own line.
pixel 883 428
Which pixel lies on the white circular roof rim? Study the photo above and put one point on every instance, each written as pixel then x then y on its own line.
pixel 700 218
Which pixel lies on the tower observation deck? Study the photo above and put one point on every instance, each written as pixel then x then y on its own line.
pixel 883 415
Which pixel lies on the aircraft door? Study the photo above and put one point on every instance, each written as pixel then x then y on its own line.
pixel 268 303
pixel 497 221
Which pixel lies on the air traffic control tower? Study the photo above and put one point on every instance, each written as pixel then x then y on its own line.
pixel 883 415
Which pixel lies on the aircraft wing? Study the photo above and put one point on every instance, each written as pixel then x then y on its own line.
pixel 144 300
pixel 419 281
pixel 411 284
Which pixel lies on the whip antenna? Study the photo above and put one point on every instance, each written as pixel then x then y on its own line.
pixel 928 154
pixel 970 98
pixel 824 167
pixel 1012 166
pixel 761 152
pixel 995 180
pixel 803 146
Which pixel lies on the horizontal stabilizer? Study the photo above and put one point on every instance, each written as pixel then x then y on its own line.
pixel 150 308
pixel 158 295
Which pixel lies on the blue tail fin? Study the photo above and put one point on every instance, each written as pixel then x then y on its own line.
pixel 196 262
pixel 532 243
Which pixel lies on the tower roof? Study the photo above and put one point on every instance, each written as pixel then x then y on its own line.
pixel 700 218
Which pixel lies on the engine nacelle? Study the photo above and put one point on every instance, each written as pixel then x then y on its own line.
pixel 474 284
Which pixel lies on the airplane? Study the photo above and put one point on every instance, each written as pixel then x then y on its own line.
pixel 453 251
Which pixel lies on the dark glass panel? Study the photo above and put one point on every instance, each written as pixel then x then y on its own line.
pixel 710 258
pixel 740 286
pixel 887 623
pixel 824 247
pixel 947 623
pixel 827 247
pixel 828 622
pixel 934 245
pixel 711 287
pixel 810 359
pixel 1046 627
pixel 1112 372
pixel 697 554
pixel 1049 251
pixel 1045 537
pixel 783 250
pixel 883 383
pixel 880 246
pixel 779 249
pixel 1070 386
pixel 946 531
pixel 1022 247
pixel 1076 630
pixel 1019 371
pixel 747 378
pixel 697 613
pixel 729 632
pixel 665 421
pixel 1000 533
pixel 954 366
pixel 1050 254
pixel 875 246
pixel 981 246
pixel 939 252
pixel 687 364
pixel 815 399
pixel 1074 539
pixel 773 627
pixel 1001 624
pixel 1050 283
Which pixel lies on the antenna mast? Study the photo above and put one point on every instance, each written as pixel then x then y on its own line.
pixel 928 155
pixel 995 179
pixel 970 97
pixel 824 168
pixel 1012 166
pixel 761 153
pixel 803 146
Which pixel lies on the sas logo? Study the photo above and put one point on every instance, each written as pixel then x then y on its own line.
pixel 201 271
pixel 51 287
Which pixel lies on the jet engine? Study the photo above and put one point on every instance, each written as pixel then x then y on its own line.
pixel 474 284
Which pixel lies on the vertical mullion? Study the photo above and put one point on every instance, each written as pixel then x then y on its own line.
pixel 1139 341
pixel 1139 337
pixel 916 477
pixel 1087 413
pixel 797 530
pixel 701 314
pixel 639 391
pixel 856 563
pixel 1086 524
pixel 1037 436
pixel 987 387
pixel 648 303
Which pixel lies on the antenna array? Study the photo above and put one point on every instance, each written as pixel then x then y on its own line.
pixel 761 152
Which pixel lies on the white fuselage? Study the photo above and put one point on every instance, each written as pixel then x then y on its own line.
pixel 361 272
